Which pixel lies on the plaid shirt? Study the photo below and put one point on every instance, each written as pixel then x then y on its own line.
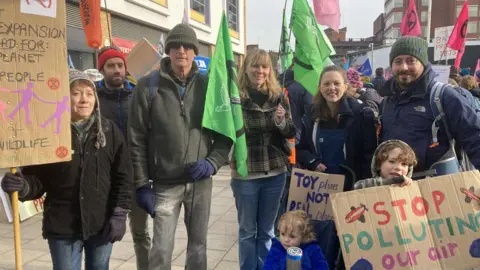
pixel 266 139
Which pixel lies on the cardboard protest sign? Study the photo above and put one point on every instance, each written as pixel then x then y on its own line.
pixel 310 192
pixel 142 59
pixel 440 49
pixel 442 73
pixel 431 224
pixel 34 88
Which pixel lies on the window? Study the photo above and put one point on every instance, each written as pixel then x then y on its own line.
pixel 424 16
pixel 396 32
pixel 397 17
pixel 398 3
pixel 472 28
pixel 161 2
pixel 425 3
pixel 472 10
pixel 389 7
pixel 232 14
pixel 199 11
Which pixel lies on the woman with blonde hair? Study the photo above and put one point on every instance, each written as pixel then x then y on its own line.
pixel 268 123
pixel 468 82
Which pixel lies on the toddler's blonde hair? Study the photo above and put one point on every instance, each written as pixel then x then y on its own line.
pixel 297 219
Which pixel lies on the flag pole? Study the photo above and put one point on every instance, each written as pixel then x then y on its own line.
pixel 429 21
pixel 16 227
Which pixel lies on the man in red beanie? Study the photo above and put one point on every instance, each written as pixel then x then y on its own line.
pixel 114 93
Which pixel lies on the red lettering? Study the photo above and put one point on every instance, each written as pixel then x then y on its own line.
pixel 438 198
pixel 35 203
pixel 38 203
pixel 424 206
pixel 41 201
pixel 400 204
pixel 381 212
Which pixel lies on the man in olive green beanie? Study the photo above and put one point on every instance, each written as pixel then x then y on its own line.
pixel 170 148
pixel 408 114
pixel 181 34
pixel 409 45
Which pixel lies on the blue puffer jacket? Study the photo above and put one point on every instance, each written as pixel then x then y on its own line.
pixel 408 116
pixel 312 258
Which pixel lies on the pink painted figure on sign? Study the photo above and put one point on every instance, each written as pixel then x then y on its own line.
pixel 62 106
pixel 27 96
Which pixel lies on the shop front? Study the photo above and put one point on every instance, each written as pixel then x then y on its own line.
pixel 127 45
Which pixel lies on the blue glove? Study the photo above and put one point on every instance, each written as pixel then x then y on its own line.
pixel 116 227
pixel 200 169
pixel 146 199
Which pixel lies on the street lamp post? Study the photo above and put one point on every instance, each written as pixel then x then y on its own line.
pixel 371 45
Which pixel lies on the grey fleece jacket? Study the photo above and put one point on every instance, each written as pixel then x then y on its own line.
pixel 169 135
pixel 377 180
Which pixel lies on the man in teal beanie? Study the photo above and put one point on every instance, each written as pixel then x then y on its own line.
pixel 407 113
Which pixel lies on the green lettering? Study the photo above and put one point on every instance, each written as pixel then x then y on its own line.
pixel 477 219
pixel 422 235
pixel 383 244
pixel 347 240
pixel 450 226
pixel 436 223
pixel 401 241
pixel 462 224
pixel 361 245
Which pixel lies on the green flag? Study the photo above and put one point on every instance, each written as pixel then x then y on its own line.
pixel 223 110
pixel 328 62
pixel 286 54
pixel 312 46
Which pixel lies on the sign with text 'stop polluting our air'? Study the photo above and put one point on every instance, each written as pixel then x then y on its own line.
pixel 34 88
pixel 431 224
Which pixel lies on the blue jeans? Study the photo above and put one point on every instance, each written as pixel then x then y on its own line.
pixel 67 253
pixel 257 203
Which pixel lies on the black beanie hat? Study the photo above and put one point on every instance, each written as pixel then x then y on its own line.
pixel 181 34
pixel 410 45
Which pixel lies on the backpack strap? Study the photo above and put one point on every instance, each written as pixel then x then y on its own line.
pixel 379 119
pixel 437 109
pixel 152 90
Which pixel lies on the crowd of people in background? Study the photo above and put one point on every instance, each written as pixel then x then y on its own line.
pixel 140 151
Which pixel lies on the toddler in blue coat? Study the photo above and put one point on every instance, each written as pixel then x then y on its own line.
pixel 295 231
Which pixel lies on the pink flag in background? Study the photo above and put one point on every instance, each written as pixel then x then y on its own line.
pixel 459 33
pixel 410 25
pixel 327 13
pixel 458 59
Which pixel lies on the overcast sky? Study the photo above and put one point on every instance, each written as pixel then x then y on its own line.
pixel 264 19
